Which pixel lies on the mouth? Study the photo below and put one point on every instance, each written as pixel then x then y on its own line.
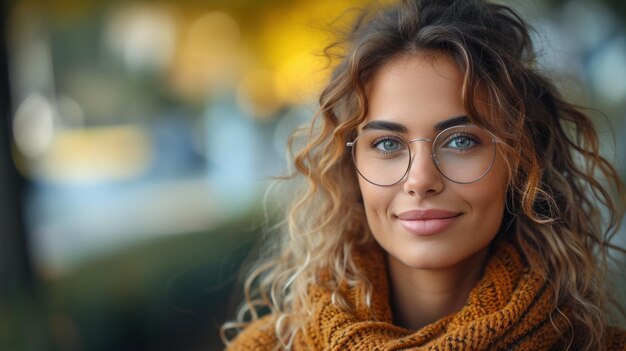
pixel 427 222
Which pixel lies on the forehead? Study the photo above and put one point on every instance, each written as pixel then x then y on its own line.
pixel 416 91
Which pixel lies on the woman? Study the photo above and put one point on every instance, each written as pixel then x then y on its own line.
pixel 453 200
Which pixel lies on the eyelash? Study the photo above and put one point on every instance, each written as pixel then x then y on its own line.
pixel 378 140
pixel 472 137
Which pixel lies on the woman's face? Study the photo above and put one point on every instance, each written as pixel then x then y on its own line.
pixel 427 221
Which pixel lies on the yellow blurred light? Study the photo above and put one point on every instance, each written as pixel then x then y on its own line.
pixel 293 39
pixel 213 32
pixel 258 94
pixel 210 56
pixel 300 78
pixel 96 154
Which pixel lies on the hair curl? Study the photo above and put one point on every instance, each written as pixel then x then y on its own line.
pixel 564 199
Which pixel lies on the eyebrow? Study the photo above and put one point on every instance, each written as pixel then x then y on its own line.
pixel 385 125
pixel 400 128
pixel 454 121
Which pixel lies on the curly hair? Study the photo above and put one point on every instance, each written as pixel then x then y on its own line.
pixel 564 199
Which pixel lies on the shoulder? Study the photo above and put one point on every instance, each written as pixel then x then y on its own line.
pixel 616 339
pixel 259 335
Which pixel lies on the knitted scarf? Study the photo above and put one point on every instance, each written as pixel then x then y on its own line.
pixel 511 308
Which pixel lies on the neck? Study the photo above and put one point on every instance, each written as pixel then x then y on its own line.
pixel 422 296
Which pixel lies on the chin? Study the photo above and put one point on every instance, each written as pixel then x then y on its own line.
pixel 426 259
pixel 435 256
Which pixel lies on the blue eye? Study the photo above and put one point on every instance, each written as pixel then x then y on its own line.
pixel 461 142
pixel 387 145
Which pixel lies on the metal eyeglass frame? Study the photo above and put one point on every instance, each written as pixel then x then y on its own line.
pixel 433 157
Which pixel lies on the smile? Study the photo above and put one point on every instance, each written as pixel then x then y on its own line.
pixel 428 222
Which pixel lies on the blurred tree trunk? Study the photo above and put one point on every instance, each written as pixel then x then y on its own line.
pixel 16 272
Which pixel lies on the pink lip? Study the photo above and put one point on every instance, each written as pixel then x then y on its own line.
pixel 427 222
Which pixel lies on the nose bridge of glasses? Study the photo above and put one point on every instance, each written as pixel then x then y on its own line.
pixel 414 141
pixel 428 150
pixel 419 139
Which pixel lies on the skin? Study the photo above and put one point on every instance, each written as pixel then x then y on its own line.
pixel 430 275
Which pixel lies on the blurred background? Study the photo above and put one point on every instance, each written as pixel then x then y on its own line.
pixel 138 138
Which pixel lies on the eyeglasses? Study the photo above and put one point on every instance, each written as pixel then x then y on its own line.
pixel 463 154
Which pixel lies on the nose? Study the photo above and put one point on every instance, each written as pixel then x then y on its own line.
pixel 423 178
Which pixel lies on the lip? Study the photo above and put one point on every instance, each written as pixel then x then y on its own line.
pixel 427 222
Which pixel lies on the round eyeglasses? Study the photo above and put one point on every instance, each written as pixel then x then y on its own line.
pixel 463 154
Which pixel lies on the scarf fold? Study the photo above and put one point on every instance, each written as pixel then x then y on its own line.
pixel 510 308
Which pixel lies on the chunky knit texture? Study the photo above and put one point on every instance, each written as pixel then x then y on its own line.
pixel 511 308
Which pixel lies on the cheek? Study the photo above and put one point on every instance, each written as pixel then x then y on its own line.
pixel 487 203
pixel 376 201
pixel 488 196
pixel 371 195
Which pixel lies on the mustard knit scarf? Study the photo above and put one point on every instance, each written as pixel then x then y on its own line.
pixel 511 308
